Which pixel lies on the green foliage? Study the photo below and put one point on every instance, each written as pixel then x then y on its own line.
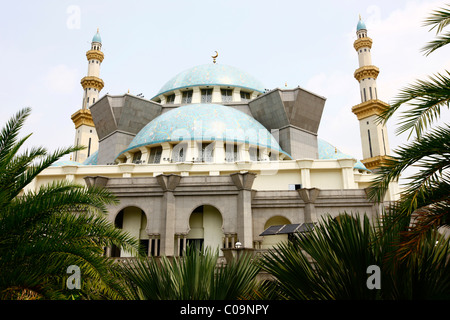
pixel 330 262
pixel 43 232
pixel 195 276
pixel 438 20
pixel 427 193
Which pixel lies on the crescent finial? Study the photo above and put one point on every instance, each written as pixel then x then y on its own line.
pixel 215 56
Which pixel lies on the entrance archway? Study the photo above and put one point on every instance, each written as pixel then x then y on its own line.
pixel 272 240
pixel 205 224
pixel 134 221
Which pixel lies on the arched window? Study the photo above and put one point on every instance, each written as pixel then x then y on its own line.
pixel 134 221
pixel 270 241
pixel 205 229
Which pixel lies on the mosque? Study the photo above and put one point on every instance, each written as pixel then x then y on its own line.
pixel 216 159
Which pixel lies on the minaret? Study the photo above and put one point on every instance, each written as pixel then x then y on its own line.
pixel 374 138
pixel 85 133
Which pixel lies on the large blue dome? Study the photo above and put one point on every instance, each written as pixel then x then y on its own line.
pixel 204 122
pixel 210 75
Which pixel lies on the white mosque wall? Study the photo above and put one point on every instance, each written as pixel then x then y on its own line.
pixel 327 179
pixel 273 198
pixel 271 175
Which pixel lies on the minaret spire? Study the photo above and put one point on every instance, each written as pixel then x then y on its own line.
pixel 92 84
pixel 374 139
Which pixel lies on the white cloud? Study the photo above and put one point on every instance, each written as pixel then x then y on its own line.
pixel 61 79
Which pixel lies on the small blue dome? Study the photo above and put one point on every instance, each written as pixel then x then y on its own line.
pixel 210 75
pixel 97 38
pixel 61 163
pixel 328 151
pixel 91 160
pixel 204 122
pixel 361 25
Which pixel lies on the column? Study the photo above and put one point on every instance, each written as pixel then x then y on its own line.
pixel 168 183
pixel 309 196
pixel 244 182
pixel 165 155
pixel 243 152
pixel 236 94
pixel 305 167
pixel 196 95
pixel 144 154
pixel 348 178
pixel 129 157
pixel 216 95
pixel 178 237
pixel 178 96
pixel 219 152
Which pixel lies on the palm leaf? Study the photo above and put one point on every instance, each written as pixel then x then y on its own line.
pixel 438 20
pixel 426 98
pixel 43 232
pixel 195 276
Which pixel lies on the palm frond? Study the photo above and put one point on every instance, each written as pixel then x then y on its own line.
pixel 438 20
pixel 10 132
pixel 431 152
pixel 426 99
pixel 328 263
pixel 43 232
pixel 195 276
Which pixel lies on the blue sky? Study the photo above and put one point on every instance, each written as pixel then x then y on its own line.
pixel 301 43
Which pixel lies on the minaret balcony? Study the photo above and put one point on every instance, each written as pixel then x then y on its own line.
pixel 95 54
pixel 369 108
pixel 365 42
pixel 366 72
pixel 375 162
pixel 92 82
pixel 82 117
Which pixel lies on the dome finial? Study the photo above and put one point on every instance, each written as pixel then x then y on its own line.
pixel 97 28
pixel 361 25
pixel 215 56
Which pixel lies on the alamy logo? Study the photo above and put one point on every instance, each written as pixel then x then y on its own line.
pixel 74 280
pixel 374 280
pixel 74 19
